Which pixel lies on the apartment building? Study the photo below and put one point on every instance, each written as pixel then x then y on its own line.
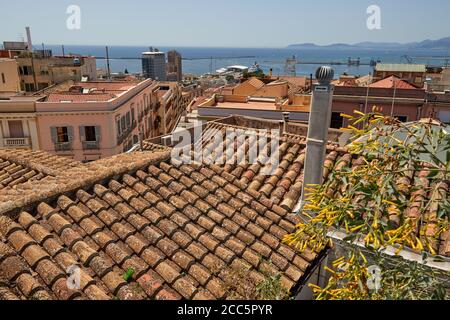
pixel 86 121
pixel 412 73
pixel 170 108
pixel 93 120
pixel 390 96
pixel 38 72
pixel 154 65
pixel 9 75
pixel 174 66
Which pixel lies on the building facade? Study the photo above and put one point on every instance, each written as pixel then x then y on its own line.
pixel 413 73
pixel 18 123
pixel 9 75
pixel 91 120
pixel 39 72
pixel 174 66
pixel 94 120
pixel 154 65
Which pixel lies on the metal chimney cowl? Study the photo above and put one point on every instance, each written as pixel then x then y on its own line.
pixel 324 75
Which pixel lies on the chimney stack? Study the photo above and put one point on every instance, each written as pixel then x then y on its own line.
pixel 319 123
pixel 30 43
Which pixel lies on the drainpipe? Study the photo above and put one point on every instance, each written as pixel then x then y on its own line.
pixel 319 123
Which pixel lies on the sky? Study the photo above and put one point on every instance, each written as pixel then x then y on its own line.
pixel 225 23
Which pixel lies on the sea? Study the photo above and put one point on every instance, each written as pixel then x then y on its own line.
pixel 199 61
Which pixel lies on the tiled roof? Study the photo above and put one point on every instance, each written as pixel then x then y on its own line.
pixel 391 83
pixel 182 229
pixel 255 82
pixel 148 146
pixel 19 166
pixel 284 186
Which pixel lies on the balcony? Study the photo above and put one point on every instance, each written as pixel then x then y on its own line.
pixel 91 145
pixel 63 146
pixel 12 143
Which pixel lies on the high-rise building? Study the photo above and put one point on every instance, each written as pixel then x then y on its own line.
pixel 174 66
pixel 154 65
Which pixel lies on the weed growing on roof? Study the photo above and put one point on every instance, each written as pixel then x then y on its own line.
pixel 240 284
pixel 129 274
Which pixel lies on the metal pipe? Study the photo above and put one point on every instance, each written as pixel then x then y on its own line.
pixel 319 123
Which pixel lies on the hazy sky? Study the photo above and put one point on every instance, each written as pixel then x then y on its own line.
pixel 225 23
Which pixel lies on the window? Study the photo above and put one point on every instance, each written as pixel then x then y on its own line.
pixel 15 129
pixel 90 134
pixel 62 138
pixel 29 87
pixel 337 121
pixel 128 117
pixel 119 129
pixel 124 126
pixel 62 134
pixel 402 118
pixel 3 78
pixel 90 137
pixel 26 70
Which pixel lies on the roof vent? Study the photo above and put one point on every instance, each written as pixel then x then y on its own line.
pixel 324 75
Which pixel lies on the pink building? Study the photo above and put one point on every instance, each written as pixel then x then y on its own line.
pixel 92 120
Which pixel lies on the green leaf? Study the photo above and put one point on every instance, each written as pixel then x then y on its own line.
pixel 129 274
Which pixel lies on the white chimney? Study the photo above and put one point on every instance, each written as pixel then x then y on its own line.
pixel 30 43
pixel 319 123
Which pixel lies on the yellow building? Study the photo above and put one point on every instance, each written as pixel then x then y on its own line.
pixel 38 73
pixel 9 75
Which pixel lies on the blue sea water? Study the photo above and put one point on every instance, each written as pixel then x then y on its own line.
pixel 267 58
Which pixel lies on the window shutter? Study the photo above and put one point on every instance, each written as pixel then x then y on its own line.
pixel 119 130
pixel 82 133
pixel 70 133
pixel 98 135
pixel 54 134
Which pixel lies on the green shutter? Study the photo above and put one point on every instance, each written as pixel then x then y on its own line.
pixel 98 134
pixel 70 133
pixel 82 133
pixel 54 134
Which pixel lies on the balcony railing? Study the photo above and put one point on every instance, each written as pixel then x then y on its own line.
pixel 16 142
pixel 91 145
pixel 63 146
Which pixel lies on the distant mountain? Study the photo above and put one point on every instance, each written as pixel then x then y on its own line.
pixel 443 43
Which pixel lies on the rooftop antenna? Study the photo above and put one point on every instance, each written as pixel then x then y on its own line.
pixel 107 64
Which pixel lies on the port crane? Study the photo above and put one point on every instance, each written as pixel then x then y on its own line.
pixel 444 59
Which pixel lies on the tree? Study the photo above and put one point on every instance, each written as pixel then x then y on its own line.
pixel 372 202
